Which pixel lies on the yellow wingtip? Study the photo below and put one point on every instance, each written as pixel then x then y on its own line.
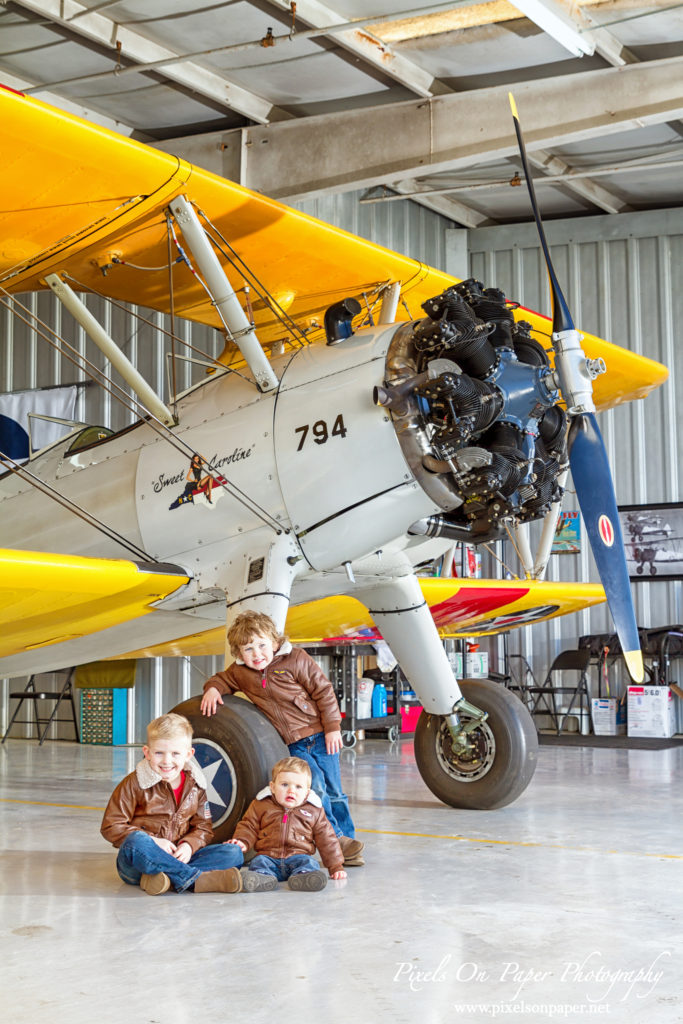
pixel 634 664
pixel 513 105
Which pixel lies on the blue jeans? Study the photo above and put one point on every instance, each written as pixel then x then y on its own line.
pixel 139 855
pixel 326 781
pixel 283 867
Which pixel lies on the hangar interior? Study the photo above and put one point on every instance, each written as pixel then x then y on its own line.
pixel 390 121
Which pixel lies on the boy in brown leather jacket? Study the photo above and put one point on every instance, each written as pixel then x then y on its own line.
pixel 297 697
pixel 158 818
pixel 285 824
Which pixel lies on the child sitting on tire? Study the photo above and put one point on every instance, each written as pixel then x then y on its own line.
pixel 296 696
pixel 285 824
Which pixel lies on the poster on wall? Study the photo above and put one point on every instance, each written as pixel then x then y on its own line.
pixel 653 537
pixel 567 539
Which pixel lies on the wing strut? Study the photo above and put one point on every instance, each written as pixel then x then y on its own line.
pixel 223 294
pixel 111 350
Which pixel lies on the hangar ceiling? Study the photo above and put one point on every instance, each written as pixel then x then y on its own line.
pixel 405 101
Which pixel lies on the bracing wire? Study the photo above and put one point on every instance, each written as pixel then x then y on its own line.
pixel 239 264
pixel 133 405
pixel 75 508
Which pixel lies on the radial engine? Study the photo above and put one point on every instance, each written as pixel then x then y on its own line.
pixel 475 406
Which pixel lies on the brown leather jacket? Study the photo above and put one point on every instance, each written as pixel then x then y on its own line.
pixel 293 692
pixel 144 802
pixel 276 831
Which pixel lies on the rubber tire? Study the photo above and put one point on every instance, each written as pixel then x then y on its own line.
pixel 250 743
pixel 515 757
pixel 349 739
pixel 392 734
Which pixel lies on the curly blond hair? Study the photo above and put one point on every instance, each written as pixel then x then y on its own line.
pixel 248 625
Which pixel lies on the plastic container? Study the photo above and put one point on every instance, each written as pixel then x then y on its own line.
pixel 379 701
pixel 364 689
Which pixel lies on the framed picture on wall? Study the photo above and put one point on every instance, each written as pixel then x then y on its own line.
pixel 653 536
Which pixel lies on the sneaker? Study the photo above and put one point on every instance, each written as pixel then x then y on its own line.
pixel 353 851
pixel 225 880
pixel 155 885
pixel 308 881
pixel 256 881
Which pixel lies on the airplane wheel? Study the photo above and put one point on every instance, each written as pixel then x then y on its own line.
pixel 653 570
pixel 500 762
pixel 639 570
pixel 236 749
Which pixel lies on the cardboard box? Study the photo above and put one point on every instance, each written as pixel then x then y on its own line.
pixel 476 665
pixel 609 716
pixel 650 711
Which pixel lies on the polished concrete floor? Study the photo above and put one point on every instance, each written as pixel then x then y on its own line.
pixel 565 905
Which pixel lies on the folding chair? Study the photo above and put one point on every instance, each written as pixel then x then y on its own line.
pixel 545 696
pixel 34 697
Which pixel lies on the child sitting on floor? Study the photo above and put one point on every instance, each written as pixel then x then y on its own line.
pixel 158 818
pixel 285 824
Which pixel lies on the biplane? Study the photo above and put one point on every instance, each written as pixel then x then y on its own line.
pixel 367 413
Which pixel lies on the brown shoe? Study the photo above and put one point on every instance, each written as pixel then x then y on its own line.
pixel 227 880
pixel 155 885
pixel 352 850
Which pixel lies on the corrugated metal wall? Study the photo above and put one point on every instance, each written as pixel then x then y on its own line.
pixel 623 281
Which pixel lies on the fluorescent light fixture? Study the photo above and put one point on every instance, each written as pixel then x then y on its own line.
pixel 558 23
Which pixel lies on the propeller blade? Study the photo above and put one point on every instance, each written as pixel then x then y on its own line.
pixel 593 483
pixel 562 318
pixel 587 455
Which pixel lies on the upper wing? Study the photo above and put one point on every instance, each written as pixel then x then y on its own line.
pixel 78 198
pixel 50 599
pixel 460 607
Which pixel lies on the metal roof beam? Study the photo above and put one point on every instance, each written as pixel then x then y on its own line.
pixel 454 209
pixel 70 106
pixel 361 148
pixel 361 43
pixel 584 187
pixel 557 20
pixel 76 20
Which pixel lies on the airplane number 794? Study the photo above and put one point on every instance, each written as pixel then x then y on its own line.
pixel 320 431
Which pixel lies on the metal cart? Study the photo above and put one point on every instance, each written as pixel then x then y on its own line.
pixel 343 676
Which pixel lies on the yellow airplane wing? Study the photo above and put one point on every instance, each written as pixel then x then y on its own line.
pixel 86 202
pixel 47 599
pixel 460 607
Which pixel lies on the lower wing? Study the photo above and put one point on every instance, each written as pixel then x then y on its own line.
pixel 460 607
pixel 65 609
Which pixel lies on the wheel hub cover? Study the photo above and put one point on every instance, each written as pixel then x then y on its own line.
pixel 221 780
pixel 472 763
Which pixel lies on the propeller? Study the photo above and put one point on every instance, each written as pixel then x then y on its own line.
pixel 587 455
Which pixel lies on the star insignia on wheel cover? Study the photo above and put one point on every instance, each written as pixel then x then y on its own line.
pixel 221 782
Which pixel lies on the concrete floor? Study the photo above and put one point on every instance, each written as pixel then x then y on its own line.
pixel 565 905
